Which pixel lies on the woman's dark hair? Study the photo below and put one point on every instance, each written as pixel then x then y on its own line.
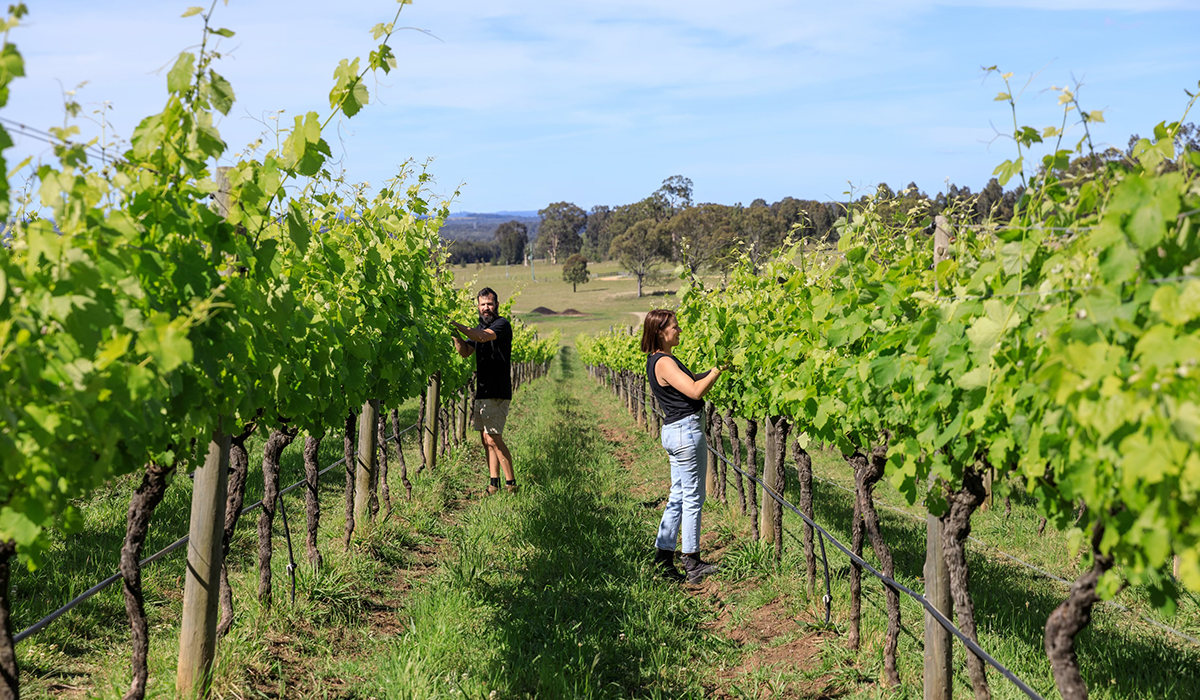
pixel 652 329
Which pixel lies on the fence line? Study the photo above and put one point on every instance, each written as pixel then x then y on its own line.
pixel 45 621
pixel 887 580
pixel 1033 567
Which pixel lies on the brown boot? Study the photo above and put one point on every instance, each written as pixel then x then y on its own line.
pixel 697 569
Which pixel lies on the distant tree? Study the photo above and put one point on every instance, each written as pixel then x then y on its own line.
pixel 558 230
pixel 676 193
pixel 512 237
pixel 790 210
pixel 641 248
pixel 699 235
pixel 759 231
pixel 461 252
pixel 575 271
pixel 598 233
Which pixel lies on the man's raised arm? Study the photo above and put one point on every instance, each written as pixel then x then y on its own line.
pixel 475 334
pixel 463 347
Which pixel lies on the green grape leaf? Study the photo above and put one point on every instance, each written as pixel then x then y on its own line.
pixel 179 78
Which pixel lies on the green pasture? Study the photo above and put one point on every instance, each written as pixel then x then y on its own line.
pixel 609 299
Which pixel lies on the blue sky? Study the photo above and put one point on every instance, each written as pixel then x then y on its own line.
pixel 527 103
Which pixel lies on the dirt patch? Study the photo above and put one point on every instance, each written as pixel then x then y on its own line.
pixel 619 441
pixel 543 311
pixel 571 312
pixel 292 650
pixel 777 647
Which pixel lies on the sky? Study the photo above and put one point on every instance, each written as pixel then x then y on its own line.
pixel 521 104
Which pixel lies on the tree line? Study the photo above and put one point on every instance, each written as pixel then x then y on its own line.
pixel 668 227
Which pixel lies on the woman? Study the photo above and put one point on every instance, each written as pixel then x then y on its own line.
pixel 680 394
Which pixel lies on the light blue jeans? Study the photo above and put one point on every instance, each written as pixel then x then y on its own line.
pixel 688 451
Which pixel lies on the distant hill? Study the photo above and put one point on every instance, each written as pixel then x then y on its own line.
pixel 472 226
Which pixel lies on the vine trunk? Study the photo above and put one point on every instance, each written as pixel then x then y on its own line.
pixel 312 500
pixel 752 470
pixel 956 527
pixel 141 510
pixel 280 438
pixel 239 467
pixel 1070 618
pixel 872 472
pixel 805 475
pixel 9 673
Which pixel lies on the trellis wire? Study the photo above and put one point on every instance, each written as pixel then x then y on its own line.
pixel 887 581
pixel 1033 567
pixel 45 621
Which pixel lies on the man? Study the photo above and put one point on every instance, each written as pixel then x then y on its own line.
pixel 491 343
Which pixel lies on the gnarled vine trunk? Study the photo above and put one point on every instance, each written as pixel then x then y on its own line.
pixel 280 438
pixel 380 488
pixel 735 451
pixel 400 455
pixel 421 428
pixel 141 510
pixel 239 467
pixel 718 444
pixel 752 470
pixel 956 527
pixel 9 673
pixel 858 463
pixel 312 498
pixel 779 435
pixel 1069 619
pixel 348 453
pixel 871 473
pixel 805 476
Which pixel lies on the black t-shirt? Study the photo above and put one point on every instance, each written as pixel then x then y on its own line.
pixel 493 377
pixel 675 405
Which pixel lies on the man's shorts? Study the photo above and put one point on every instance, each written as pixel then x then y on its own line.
pixel 490 415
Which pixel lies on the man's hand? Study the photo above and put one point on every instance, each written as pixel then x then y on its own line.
pixel 461 346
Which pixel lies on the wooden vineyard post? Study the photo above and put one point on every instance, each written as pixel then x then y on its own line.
pixel 198 632
pixel 206 531
pixel 766 516
pixel 432 403
pixel 368 435
pixel 938 652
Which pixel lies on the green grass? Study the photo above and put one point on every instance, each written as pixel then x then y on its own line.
pixel 609 299
pixel 549 593
pixel 88 647
pixel 1121 656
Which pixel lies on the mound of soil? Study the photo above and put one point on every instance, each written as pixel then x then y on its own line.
pixel 543 311
pixel 570 312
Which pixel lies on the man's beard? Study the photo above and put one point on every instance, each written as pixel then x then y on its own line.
pixel 486 318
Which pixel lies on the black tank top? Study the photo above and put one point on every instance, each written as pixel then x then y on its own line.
pixel 674 404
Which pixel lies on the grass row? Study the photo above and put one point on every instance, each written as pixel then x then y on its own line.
pixel 1121 656
pixel 289 650
pixel 549 593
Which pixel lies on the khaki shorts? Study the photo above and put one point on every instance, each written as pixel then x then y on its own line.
pixel 490 415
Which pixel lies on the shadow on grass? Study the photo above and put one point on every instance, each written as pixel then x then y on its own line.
pixel 577 619
pixel 1013 603
pixel 78 561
